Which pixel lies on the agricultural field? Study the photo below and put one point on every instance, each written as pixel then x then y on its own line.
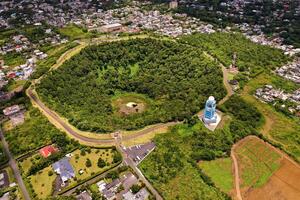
pixel 100 84
pixel 265 172
pixel 220 172
pixel 280 129
pixel 257 162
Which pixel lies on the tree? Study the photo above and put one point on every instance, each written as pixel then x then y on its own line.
pixel 135 188
pixel 101 163
pixel 88 163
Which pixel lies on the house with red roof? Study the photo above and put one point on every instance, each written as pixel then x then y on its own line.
pixel 47 151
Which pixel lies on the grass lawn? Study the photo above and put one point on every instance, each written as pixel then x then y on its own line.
pixel 278 127
pixel 42 182
pixel 220 171
pixel 257 162
pixel 80 163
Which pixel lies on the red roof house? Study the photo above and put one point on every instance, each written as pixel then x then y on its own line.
pixel 47 151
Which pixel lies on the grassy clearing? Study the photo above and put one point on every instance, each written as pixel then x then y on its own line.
pixel 145 138
pixel 13 59
pixel 220 171
pixel 74 32
pixel 187 185
pixel 15 84
pixel 78 161
pixel 257 162
pixel 42 182
pixel 27 163
pixel 277 127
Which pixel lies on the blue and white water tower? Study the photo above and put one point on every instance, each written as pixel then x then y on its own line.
pixel 210 115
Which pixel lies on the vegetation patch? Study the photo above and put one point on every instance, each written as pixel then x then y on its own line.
pixel 257 162
pixel 220 172
pixel 283 131
pixel 178 152
pixel 167 74
pixel 249 56
pixel 74 32
pixel 35 132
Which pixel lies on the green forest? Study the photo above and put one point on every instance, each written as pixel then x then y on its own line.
pixel 177 152
pixel 167 74
pixel 249 56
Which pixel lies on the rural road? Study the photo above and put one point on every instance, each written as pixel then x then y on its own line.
pixel 236 174
pixel 14 166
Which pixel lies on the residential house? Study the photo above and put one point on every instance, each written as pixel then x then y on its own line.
pixel 64 169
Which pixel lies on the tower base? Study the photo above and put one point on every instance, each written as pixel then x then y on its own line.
pixel 211 124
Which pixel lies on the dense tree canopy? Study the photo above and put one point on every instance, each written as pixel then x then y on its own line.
pixel 249 56
pixel 175 79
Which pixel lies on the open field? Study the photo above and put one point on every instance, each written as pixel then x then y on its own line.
pixel 220 171
pixel 277 127
pixel 42 182
pixel 256 162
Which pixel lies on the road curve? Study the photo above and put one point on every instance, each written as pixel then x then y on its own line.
pixel 64 125
pixel 14 167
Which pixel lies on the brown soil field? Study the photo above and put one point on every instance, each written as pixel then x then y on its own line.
pixel 284 184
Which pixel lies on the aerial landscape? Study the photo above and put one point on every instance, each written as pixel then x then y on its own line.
pixel 149 99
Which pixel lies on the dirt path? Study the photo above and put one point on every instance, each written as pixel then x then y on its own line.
pixel 236 170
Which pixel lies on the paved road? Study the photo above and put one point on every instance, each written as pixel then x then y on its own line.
pixel 14 166
pixel 132 164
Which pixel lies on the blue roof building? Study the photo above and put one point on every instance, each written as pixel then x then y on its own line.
pixel 64 169
pixel 210 111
